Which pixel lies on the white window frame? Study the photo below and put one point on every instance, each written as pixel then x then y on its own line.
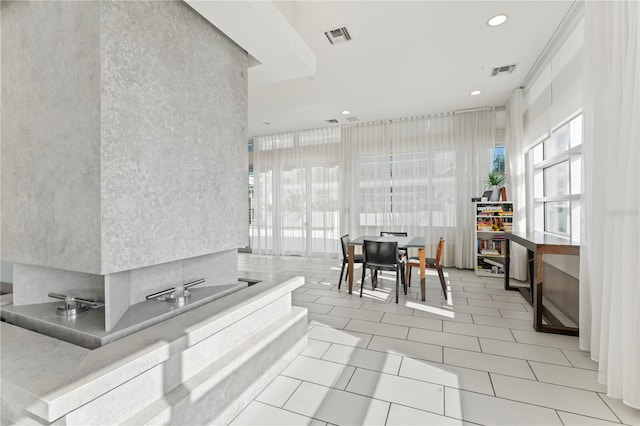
pixel 538 211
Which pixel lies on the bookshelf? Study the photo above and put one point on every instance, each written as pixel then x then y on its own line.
pixel 492 218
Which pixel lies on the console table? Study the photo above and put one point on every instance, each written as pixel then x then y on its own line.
pixel 537 245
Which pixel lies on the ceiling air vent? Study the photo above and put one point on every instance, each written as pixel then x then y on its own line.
pixel 332 121
pixel 506 69
pixel 352 119
pixel 339 35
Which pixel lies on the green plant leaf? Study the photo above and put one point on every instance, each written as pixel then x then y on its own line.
pixel 496 178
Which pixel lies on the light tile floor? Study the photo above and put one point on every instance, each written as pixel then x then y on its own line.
pixel 472 359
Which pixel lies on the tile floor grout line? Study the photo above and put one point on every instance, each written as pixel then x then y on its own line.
pixel 444 398
pixel 483 325
pixel 272 405
pixel 513 357
pixel 533 372
pixel 332 386
pixel 572 364
pixel 400 365
pixel 551 384
pixel 325 351
pixel 566 357
pixel 516 341
pixel 353 373
pixel 560 409
pixel 360 367
pixel 404 405
pixel 596 418
pixel 294 391
pixel 559 418
pixel 289 410
pixel 386 419
pixel 609 407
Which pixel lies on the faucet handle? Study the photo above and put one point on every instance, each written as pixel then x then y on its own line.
pixel 74 304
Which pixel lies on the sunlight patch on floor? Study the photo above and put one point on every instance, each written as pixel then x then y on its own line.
pixel 430 309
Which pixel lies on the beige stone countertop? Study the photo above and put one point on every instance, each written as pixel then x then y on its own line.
pixel 52 377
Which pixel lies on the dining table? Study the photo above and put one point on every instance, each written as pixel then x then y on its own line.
pixel 403 243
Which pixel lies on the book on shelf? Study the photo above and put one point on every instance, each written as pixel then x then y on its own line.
pixel 488 209
pixel 490 252
pixel 493 219
pixel 489 266
pixel 493 262
pixel 494 247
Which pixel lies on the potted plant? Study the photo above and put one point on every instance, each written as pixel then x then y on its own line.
pixel 495 180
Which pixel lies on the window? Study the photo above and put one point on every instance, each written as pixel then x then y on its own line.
pixel 499 153
pixel 407 189
pixel 557 167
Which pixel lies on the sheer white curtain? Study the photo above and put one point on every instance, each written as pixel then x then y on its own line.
pixel 297 193
pixel 609 266
pixel 366 176
pixel 418 175
pixel 474 139
pixel 514 135
pixel 423 175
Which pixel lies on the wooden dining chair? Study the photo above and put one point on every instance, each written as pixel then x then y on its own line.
pixel 344 240
pixel 382 256
pixel 429 263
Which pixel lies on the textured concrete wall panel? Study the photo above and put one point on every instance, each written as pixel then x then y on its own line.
pixel 174 154
pixel 50 134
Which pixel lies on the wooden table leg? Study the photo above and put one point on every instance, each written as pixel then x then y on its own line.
pixel 507 264
pixel 531 260
pixel 423 275
pixel 352 255
pixel 537 293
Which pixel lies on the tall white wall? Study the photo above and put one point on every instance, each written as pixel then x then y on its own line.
pixel 552 96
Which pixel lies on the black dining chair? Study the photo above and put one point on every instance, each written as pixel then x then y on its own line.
pixel 345 258
pixel 392 234
pixel 403 252
pixel 430 263
pixel 382 256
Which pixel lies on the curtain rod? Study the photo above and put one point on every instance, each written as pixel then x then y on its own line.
pixel 415 117
pixel 562 31
pixel 391 120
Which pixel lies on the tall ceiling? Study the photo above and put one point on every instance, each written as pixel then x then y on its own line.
pixel 406 58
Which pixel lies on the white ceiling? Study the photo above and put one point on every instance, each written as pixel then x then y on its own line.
pixel 405 59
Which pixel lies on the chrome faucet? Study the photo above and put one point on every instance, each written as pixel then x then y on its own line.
pixel 178 294
pixel 73 305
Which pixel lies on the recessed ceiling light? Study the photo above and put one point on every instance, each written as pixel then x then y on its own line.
pixel 346 112
pixel 475 92
pixel 497 20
